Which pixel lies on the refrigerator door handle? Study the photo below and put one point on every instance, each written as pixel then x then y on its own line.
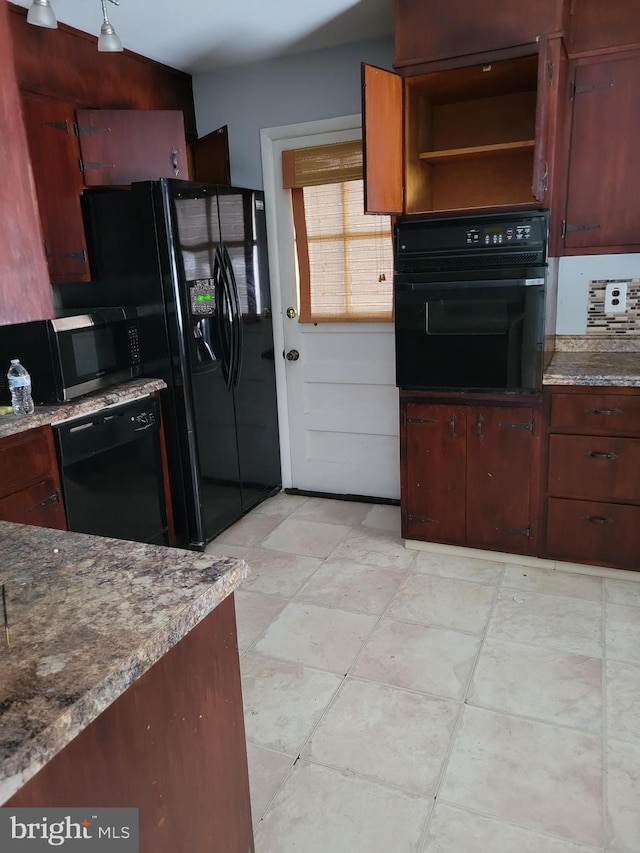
pixel 222 320
pixel 203 339
pixel 236 317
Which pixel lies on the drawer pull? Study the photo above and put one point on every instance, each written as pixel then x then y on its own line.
pixel 594 454
pixel 604 411
pixel 597 519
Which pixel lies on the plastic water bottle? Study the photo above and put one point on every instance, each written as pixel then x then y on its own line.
pixel 20 387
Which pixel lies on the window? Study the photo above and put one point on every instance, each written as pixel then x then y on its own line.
pixel 345 258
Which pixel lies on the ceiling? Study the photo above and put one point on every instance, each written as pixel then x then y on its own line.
pixel 199 35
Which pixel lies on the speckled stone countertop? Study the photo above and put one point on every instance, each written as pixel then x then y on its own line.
pixel 88 405
pixel 596 361
pixel 87 617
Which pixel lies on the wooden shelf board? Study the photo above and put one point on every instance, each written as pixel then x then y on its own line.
pixel 475 152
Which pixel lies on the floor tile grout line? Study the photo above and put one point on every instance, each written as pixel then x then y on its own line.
pixel 385 783
pixel 537 831
pixel 458 723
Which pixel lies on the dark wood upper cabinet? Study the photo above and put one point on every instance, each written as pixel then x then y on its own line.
pixel 121 146
pixel 72 148
pixel 66 64
pixel 54 151
pixel 210 162
pixel 447 28
pixel 25 293
pixel 603 187
pixel 469 137
pixel 599 26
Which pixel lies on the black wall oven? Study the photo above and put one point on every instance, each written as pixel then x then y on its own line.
pixel 470 302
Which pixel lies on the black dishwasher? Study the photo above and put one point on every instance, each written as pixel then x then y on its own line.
pixel 111 471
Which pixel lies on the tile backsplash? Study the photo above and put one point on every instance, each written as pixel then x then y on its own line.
pixel 581 283
pixel 601 323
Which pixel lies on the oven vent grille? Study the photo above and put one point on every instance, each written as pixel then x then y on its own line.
pixel 475 263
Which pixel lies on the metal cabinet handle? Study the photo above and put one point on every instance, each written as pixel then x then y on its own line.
pixel 597 519
pixel 452 427
pixel 604 411
pixel 594 454
pixel 174 161
pixel 52 499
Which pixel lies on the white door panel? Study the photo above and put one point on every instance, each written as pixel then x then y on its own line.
pixel 338 402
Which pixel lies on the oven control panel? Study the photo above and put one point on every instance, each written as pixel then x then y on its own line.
pixel 466 242
pixel 499 235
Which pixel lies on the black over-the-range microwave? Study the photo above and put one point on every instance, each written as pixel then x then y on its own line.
pixel 76 354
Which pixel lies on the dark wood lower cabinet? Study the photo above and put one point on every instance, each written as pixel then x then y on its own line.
pixel 593 494
pixel 173 746
pixel 594 532
pixel 30 491
pixel 470 473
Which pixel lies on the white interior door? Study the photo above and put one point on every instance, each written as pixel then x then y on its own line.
pixel 337 401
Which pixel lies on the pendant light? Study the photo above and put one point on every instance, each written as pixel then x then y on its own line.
pixel 108 41
pixel 41 14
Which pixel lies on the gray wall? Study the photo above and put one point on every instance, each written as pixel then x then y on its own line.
pixel 305 87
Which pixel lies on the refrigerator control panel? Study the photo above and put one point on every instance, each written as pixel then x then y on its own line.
pixel 203 298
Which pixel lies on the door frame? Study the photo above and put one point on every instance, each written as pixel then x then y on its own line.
pixel 279 225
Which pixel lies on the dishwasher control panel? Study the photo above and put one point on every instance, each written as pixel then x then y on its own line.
pixel 143 420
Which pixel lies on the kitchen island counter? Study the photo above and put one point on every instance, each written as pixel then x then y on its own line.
pixel 88 617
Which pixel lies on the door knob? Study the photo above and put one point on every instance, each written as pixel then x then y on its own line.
pixel 291 313
pixel 292 355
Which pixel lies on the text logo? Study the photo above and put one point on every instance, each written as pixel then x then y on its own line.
pixel 75 830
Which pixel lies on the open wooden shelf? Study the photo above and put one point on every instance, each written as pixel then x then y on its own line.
pixel 475 152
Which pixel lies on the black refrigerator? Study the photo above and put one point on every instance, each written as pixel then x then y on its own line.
pixel 192 258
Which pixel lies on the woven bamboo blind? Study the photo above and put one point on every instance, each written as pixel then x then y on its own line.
pixel 322 164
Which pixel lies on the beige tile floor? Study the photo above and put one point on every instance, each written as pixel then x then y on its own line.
pixel 398 701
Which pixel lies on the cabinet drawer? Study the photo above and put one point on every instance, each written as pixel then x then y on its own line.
pixel 594 532
pixel 594 467
pixel 596 414
pixel 40 505
pixel 26 457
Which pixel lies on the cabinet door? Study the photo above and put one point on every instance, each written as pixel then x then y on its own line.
pixel 500 464
pixel 54 159
pixel 210 158
pixel 596 25
pixel 433 462
pixel 382 120
pixel 122 146
pixel 603 195
pixel 441 29
pixel 39 505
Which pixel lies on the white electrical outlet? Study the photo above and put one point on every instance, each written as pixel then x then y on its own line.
pixel 615 298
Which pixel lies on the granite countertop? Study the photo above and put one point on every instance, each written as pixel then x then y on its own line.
pixel 87 617
pixel 599 362
pixel 88 405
